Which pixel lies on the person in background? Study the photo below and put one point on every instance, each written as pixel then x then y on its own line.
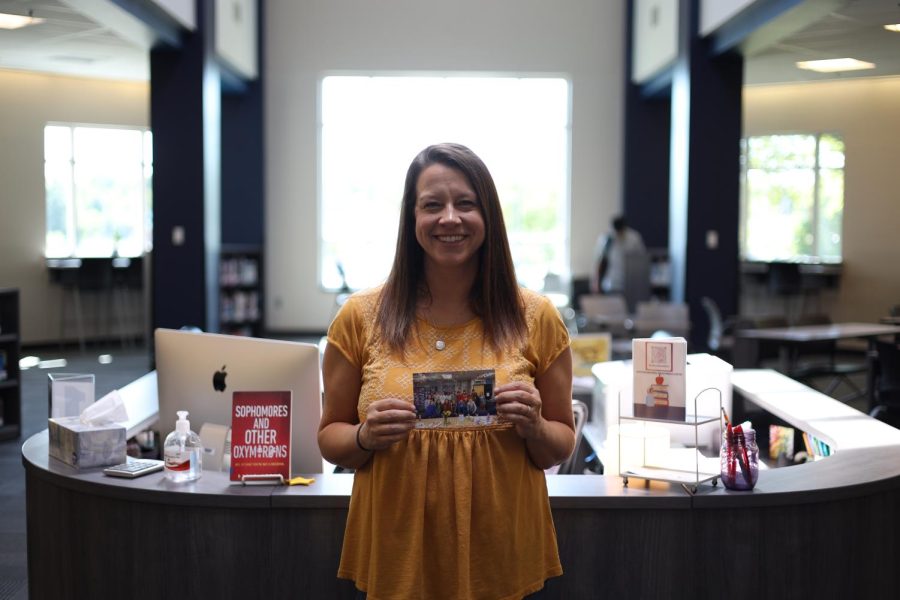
pixel 476 491
pixel 611 255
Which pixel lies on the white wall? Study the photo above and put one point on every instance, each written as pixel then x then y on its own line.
pixel 655 26
pixel 581 38
pixel 27 102
pixel 714 13
pixel 865 113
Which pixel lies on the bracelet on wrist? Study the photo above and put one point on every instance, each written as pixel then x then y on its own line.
pixel 358 442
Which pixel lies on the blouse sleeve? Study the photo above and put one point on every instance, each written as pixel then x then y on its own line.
pixel 346 332
pixel 547 336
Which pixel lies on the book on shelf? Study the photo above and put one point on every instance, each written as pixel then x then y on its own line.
pixel 815 447
pixel 781 444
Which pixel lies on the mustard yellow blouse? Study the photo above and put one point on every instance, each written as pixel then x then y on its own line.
pixel 450 512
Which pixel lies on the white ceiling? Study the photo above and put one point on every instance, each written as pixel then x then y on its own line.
pixel 70 43
pixel 856 30
pixel 73 44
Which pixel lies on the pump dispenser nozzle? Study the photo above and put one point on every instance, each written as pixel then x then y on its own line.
pixel 182 425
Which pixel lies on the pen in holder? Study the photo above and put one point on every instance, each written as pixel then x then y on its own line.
pixel 739 458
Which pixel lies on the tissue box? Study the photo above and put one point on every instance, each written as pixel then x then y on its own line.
pixel 80 445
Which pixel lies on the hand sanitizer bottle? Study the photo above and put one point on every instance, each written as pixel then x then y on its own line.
pixel 182 451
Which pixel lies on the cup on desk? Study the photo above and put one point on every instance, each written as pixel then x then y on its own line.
pixel 739 458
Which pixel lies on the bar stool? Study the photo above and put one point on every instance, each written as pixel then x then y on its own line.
pixel 127 278
pixel 65 272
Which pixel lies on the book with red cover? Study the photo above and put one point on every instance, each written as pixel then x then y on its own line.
pixel 261 434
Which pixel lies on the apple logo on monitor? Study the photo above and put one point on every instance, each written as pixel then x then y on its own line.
pixel 219 379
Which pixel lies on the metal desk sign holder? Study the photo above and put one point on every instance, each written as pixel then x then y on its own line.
pixel 690 480
pixel 263 479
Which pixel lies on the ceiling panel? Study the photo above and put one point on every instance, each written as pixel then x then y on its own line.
pixel 71 43
pixel 68 43
pixel 856 30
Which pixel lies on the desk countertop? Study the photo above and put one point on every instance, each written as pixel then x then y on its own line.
pixel 867 457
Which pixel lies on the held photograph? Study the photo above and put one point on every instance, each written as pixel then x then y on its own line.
pixel 454 399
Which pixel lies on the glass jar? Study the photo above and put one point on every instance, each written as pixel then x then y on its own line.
pixel 739 459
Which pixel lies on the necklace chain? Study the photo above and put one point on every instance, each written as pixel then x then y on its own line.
pixel 439 343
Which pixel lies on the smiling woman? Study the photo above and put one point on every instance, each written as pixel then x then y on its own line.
pixel 449 225
pixel 451 304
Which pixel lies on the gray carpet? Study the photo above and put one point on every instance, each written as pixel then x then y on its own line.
pixel 127 365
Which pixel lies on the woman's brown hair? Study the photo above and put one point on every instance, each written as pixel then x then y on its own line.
pixel 495 295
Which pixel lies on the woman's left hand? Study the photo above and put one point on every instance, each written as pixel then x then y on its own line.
pixel 520 404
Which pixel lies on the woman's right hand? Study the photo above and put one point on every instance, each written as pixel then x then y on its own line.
pixel 387 422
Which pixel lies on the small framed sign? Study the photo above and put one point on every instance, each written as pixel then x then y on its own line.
pixel 261 436
pixel 659 378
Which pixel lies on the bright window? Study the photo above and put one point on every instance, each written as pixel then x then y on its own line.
pixel 792 198
pixel 98 190
pixel 372 128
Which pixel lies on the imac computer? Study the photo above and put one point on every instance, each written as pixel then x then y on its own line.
pixel 198 372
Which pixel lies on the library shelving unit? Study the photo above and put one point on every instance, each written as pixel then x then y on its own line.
pixel 240 290
pixel 688 473
pixel 10 379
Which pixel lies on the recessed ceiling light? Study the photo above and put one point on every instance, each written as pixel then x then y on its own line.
pixel 834 65
pixel 8 21
pixel 894 27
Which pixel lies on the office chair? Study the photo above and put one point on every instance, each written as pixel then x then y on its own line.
pixel 653 316
pixel 887 383
pixel 824 363
pixel 637 279
pixel 569 466
pixel 720 340
pixel 785 280
pixel 603 312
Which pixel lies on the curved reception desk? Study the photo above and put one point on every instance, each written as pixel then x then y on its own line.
pixel 828 529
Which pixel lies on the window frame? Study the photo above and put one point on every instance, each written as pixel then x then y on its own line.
pixel 72 216
pixel 563 209
pixel 815 216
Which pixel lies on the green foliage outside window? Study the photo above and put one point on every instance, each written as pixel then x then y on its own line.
pixel 792 198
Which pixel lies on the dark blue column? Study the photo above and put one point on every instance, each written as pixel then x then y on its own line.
pixel 243 155
pixel 645 184
pixel 183 107
pixel 682 167
pixel 208 172
pixel 705 173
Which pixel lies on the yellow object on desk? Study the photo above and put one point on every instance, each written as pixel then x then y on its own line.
pixel 300 481
pixel 589 349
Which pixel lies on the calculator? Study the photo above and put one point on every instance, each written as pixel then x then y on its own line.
pixel 134 468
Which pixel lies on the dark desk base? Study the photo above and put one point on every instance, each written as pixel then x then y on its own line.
pixel 83 545
pixel 88 546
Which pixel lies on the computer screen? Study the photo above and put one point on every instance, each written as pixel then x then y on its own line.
pixel 198 372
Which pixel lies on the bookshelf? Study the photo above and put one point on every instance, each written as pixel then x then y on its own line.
pixel 240 290
pixel 10 377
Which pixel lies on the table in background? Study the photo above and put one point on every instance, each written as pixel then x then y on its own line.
pixel 789 338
